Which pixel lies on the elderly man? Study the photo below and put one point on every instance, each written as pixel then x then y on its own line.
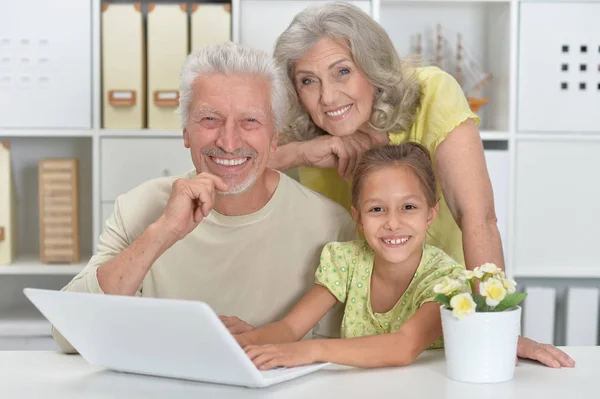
pixel 244 238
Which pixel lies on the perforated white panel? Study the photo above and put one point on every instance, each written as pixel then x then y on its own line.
pixel 45 64
pixel 559 67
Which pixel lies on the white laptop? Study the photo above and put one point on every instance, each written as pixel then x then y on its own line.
pixel 161 337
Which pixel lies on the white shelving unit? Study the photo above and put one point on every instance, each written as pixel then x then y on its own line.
pixel 490 31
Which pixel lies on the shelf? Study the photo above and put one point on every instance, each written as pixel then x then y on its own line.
pixel 49 133
pixel 139 133
pixel 446 1
pixel 560 273
pixel 31 265
pixel 490 135
pixel 558 136
pixel 46 133
pixel 25 327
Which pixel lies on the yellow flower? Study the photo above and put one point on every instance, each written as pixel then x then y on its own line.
pixel 510 285
pixel 490 268
pixel 493 290
pixel 448 286
pixel 470 274
pixel 462 305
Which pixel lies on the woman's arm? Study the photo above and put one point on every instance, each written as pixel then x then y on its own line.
pixel 461 167
pixel 386 350
pixel 304 316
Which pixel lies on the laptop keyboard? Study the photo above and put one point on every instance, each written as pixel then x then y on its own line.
pixel 283 372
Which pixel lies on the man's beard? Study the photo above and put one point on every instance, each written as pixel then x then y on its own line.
pixel 240 152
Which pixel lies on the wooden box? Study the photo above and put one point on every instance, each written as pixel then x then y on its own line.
pixel 59 210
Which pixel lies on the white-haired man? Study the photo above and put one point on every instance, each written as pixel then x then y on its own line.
pixel 244 238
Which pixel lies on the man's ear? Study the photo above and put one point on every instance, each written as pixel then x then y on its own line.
pixel 356 217
pixel 186 138
pixel 275 142
pixel 433 212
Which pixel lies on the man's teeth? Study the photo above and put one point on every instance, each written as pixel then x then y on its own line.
pixel 339 112
pixel 396 241
pixel 230 162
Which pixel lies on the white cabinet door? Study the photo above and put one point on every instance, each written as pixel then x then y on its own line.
pixel 559 67
pixel 128 162
pixel 498 169
pixel 262 21
pixel 45 64
pixel 557 217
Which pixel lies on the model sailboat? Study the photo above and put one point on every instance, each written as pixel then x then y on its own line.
pixel 467 72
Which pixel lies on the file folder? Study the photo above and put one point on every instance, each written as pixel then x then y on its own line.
pixel 167 49
pixel 123 97
pixel 210 23
pixel 8 207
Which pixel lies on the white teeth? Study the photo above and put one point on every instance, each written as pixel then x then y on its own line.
pixel 339 112
pixel 396 241
pixel 230 162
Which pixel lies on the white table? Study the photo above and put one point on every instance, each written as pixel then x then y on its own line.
pixel 51 375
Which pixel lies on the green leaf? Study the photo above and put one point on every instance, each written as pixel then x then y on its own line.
pixel 480 301
pixel 510 301
pixel 443 299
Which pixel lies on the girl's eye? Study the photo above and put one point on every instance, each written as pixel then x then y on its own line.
pixel 376 209
pixel 409 207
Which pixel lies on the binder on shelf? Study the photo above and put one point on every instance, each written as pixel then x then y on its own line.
pixel 210 24
pixel 59 210
pixel 8 207
pixel 167 49
pixel 123 70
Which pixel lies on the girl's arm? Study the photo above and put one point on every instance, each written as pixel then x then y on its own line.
pixel 386 350
pixel 461 167
pixel 293 327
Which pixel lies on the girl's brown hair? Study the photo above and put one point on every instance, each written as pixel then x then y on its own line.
pixel 412 155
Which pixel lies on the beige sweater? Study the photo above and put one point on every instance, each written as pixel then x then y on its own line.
pixel 255 267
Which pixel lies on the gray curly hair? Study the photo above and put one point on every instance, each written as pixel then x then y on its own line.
pixel 231 58
pixel 398 92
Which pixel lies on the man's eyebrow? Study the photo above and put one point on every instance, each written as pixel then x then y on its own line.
pixel 256 111
pixel 206 110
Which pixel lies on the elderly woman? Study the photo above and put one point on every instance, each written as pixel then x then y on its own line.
pixel 353 92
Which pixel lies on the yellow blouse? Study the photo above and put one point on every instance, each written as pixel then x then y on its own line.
pixel 443 107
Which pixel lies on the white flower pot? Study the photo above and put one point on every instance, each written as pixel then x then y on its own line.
pixel 481 347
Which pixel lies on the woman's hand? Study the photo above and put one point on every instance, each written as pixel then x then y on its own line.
pixel 546 354
pixel 267 357
pixel 329 151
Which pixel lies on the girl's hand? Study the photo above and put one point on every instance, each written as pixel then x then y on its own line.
pixel 267 357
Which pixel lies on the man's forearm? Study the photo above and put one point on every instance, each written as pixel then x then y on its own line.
pixel 481 243
pixel 123 274
pixel 286 157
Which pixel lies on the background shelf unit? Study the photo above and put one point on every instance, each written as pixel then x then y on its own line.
pixel 490 31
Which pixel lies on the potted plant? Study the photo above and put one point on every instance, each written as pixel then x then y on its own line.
pixel 481 330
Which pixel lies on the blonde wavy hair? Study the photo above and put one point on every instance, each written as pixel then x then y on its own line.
pixel 398 91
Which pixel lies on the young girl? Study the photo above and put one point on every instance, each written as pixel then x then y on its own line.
pixel 385 282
